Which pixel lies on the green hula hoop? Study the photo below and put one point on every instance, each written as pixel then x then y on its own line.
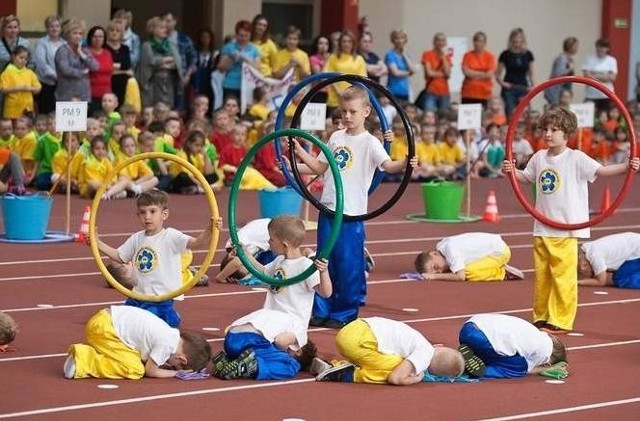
pixel 337 218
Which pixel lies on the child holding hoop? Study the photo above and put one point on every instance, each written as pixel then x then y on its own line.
pixel 156 254
pixel 561 175
pixel 359 153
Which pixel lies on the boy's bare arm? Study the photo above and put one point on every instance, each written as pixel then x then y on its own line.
pixel 311 162
pixel 509 166
pixel 458 276
pixel 109 251
pixel 204 238
pixel 615 169
pixel 325 287
pixel 151 369
pixel 404 374
pixel 600 280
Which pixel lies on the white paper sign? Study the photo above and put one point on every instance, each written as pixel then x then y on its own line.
pixel 71 116
pixel 314 117
pixel 584 112
pixel 469 116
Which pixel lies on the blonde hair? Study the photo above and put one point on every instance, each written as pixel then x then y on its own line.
pixel 447 362
pixel 288 228
pixel 72 24
pixel 8 329
pixel 8 19
pixel 356 92
pixel 153 23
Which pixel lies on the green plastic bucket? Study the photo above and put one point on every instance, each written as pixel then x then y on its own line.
pixel 442 200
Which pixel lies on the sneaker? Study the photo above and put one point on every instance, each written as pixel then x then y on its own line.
pixel 204 281
pixel 318 365
pixel 540 323
pixel 317 322
pixel 473 365
pixel 370 263
pixel 245 366
pixel 513 273
pixel 69 367
pixel 219 360
pixel 339 373
pixel 334 324
pixel 554 330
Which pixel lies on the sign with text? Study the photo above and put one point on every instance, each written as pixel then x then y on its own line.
pixel 71 116
pixel 314 117
pixel 584 112
pixel 469 116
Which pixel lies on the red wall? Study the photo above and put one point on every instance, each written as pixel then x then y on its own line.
pixel 620 38
pixel 338 15
pixel 8 7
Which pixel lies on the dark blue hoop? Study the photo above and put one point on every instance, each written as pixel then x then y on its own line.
pixel 378 176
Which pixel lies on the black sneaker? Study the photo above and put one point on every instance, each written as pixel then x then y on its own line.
pixel 245 366
pixel 334 324
pixel 554 330
pixel 317 322
pixel 339 373
pixel 473 365
pixel 540 323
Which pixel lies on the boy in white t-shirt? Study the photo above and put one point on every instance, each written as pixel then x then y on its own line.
pixel 400 357
pixel 612 260
pixel 255 237
pixel 508 346
pixel 156 254
pixel 474 256
pixel 358 154
pixel 125 342
pixel 561 175
pixel 265 345
pixel 286 234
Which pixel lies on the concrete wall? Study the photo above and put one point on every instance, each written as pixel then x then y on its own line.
pixel 92 12
pixel 634 54
pixel 546 24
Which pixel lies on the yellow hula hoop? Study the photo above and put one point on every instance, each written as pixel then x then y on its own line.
pixel 215 233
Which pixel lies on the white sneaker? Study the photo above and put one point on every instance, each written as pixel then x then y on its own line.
pixel 318 365
pixel 513 273
pixel 69 367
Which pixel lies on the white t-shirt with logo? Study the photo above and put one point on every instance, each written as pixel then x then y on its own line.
pixel 562 192
pixel 296 299
pixel 271 323
pixel 509 336
pixel 357 157
pixel 157 266
pixel 254 235
pixel 397 338
pixel 145 332
pixel 460 250
pixel 610 252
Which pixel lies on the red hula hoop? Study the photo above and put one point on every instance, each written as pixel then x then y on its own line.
pixel 509 151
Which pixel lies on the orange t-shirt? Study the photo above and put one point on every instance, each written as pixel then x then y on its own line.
pixel 438 85
pixel 482 62
pixel 610 125
pixel 601 150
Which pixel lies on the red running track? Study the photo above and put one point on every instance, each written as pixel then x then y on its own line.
pixel 603 362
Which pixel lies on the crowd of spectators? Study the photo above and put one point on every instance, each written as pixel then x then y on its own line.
pixel 156 92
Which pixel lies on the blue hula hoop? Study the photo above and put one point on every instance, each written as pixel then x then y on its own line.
pixel 378 176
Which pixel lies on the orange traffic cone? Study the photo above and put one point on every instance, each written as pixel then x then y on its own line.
pixel 491 210
pixel 82 236
pixel 606 200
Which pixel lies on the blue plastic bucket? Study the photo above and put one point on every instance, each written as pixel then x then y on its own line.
pixel 283 201
pixel 26 217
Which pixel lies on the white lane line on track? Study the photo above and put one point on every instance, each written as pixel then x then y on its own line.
pixel 565 410
pixel 410 321
pixel 292 382
pixel 369 242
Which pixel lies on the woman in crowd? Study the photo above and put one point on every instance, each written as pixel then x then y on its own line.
pixel 563 65
pixel 73 63
pixel 260 37
pixel 400 67
pixel 478 66
pixel 375 66
pixel 603 67
pixel 121 60
pixel 44 60
pixel 99 79
pixel 515 70
pixel 233 54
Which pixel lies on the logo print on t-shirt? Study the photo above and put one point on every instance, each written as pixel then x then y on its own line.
pixel 279 274
pixel 146 260
pixel 549 181
pixel 344 157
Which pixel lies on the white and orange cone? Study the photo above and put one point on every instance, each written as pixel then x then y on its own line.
pixel 81 237
pixel 491 210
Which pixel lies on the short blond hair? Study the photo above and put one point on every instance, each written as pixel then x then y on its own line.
pixel 8 329
pixel 446 362
pixel 288 228
pixel 356 92
pixel 72 24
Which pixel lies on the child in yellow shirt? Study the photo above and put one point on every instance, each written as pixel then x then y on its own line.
pixel 24 144
pixel 117 131
pixel 18 83
pixel 429 156
pixel 193 151
pixel 136 177
pixel 60 162
pixel 95 168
